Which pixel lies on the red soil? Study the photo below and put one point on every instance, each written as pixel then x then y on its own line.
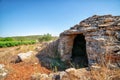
pixel 23 71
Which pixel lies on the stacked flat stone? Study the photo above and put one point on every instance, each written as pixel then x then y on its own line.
pixel 102 35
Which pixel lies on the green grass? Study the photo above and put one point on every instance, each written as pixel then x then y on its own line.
pixel 24 40
pixel 15 43
pixel 45 37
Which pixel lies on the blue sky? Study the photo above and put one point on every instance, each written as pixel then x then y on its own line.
pixel 36 17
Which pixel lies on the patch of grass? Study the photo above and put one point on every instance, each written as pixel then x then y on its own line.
pixel 15 43
pixel 56 64
pixel 25 40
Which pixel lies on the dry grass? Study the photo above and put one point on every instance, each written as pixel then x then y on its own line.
pixel 105 74
pixel 32 65
pixel 7 53
pixel 22 70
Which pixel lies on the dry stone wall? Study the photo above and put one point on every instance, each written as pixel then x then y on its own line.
pixel 102 35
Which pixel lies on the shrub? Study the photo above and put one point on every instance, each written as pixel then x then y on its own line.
pixel 45 37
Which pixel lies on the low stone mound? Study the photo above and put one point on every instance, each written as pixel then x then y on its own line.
pixel 95 40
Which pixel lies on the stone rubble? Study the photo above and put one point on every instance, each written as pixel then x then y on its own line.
pixel 68 74
pixel 3 72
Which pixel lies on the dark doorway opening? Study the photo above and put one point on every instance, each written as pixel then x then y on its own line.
pixel 79 55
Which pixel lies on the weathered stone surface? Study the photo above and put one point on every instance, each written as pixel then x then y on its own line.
pixel 102 35
pixel 15 59
pixel 39 76
pixel 21 57
pixel 69 74
pixel 66 43
pixel 24 56
pixel 102 43
pixel 49 55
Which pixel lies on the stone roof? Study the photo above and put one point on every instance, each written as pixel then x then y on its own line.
pixel 95 22
pixel 98 21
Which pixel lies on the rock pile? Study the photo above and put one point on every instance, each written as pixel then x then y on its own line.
pixel 68 74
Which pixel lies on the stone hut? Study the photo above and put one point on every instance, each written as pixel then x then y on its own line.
pixel 94 40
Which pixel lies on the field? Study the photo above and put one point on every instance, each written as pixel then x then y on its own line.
pixel 24 40
pixel 11 46
pixel 15 43
pixel 25 69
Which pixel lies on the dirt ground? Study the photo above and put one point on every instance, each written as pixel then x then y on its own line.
pixel 22 70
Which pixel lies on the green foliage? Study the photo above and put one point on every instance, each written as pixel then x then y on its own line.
pixel 26 38
pixel 57 64
pixel 7 39
pixel 20 40
pixel 15 43
pixel 45 37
